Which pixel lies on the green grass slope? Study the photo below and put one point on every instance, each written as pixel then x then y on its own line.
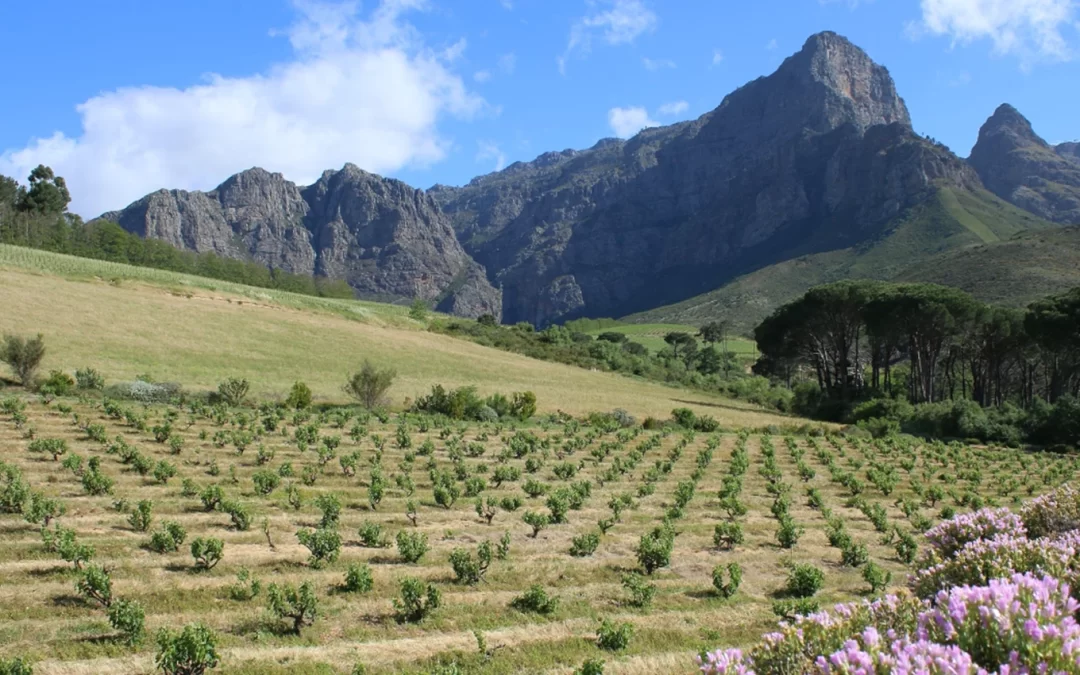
pixel 127 321
pixel 952 220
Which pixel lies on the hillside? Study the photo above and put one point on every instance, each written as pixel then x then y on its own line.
pixel 127 321
pixel 952 220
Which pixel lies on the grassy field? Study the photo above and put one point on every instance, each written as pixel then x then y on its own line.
pixel 651 335
pixel 127 321
pixel 862 484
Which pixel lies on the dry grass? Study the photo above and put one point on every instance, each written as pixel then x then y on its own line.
pixel 198 337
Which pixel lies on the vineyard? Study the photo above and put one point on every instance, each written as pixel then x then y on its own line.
pixel 342 541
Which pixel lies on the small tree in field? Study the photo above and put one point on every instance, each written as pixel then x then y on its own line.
pixel 370 384
pixel 191 651
pixel 299 397
pixel 297 604
pixel 24 355
pixel 233 391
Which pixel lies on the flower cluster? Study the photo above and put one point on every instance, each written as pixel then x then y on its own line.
pixel 988 600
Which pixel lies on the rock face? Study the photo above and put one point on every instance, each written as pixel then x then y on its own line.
pixel 386 239
pixel 819 154
pixel 1020 167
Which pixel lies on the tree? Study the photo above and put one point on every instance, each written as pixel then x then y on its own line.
pixel 299 397
pixel 24 355
pixel 191 651
pixel 300 605
pixel 418 310
pixel 714 331
pixel 48 193
pixel 613 337
pixel 370 384
pixel 416 600
pixel 681 341
pixel 233 391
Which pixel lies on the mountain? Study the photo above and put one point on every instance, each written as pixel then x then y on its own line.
pixel 386 239
pixel 915 247
pixel 1019 166
pixel 818 156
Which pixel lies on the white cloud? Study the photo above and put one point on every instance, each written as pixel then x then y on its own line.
pixel 482 75
pixel 673 108
pixel 626 122
pixel 367 91
pixel 620 22
pixel 772 44
pixel 1034 30
pixel 653 65
pixel 488 150
pixel 507 63
pixel 717 57
pixel 507 4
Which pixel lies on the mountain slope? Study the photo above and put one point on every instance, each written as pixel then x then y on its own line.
pixel 1020 167
pixel 952 220
pixel 818 156
pixel 388 240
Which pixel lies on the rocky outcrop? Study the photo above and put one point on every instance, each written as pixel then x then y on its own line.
pixel 1068 151
pixel 1020 167
pixel 819 154
pixel 386 239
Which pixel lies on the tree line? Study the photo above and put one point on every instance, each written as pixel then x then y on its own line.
pixel 36 216
pixel 852 341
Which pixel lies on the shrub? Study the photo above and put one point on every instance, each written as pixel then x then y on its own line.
pixel 247 586
pixel 233 391
pixel 299 605
pixel 804 580
pixel 466 569
pixel 189 651
pixel 95 584
pixel 878 577
pixel 211 497
pixel 324 544
pixel 358 578
pixel 613 637
pixel 16 665
pixel 641 591
pixel 591 667
pixel 63 542
pixel 727 535
pixel 58 383
pixel 330 505
pixel 788 533
pixel 537 521
pixel 792 608
pixel 128 617
pixel 412 545
pixel 239 514
pixel 654 548
pixel 729 586
pixel 535 599
pixel 41 510
pixel 23 355
pixel 56 447
pixel 369 385
pixel 89 379
pixel 416 600
pixel 299 397
pixel 372 535
pixel 140 518
pixel 584 545
pixel 207 552
pixel 169 538
pixel 854 555
pixel 266 481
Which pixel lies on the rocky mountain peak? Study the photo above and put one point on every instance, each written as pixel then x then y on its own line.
pixel 1069 150
pixel 1008 122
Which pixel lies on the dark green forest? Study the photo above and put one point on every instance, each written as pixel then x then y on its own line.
pixel 36 216
pixel 930 360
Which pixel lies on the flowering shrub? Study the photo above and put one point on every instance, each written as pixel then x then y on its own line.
pixel 994 594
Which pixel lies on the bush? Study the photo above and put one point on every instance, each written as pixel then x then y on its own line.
pixel 613 637
pixel 372 535
pixel 190 651
pixel 370 384
pixel 412 546
pixel 788 533
pixel 233 391
pixel 207 552
pixel 144 392
pixel 324 544
pixel 641 591
pixel 537 521
pixel 16 665
pixel 89 379
pixel 466 569
pixel 58 383
pixel 358 578
pixel 128 617
pixel 299 605
pixel 299 397
pixel 591 667
pixel 878 577
pixel 168 539
pixel 804 580
pixel 727 587
pixel 23 355
pixel 854 555
pixel 654 548
pixel 535 599
pixel 584 545
pixel 416 600
pixel 95 584
pixel 727 535
pixel 140 518
pixel 247 586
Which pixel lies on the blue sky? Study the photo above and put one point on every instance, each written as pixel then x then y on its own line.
pixel 124 96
